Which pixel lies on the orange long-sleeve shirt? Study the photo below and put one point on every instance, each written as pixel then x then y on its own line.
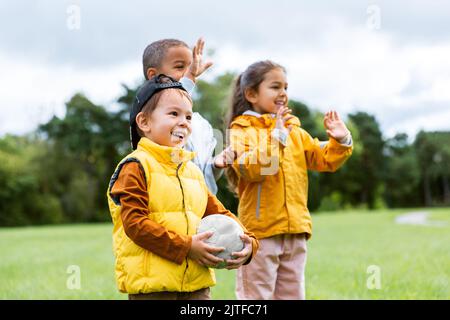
pixel 131 188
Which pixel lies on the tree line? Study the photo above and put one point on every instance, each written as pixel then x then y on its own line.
pixel 60 172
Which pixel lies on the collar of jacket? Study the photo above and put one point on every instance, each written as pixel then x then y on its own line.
pixel 266 120
pixel 170 155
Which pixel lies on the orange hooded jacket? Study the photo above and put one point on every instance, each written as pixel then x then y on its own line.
pixel 272 178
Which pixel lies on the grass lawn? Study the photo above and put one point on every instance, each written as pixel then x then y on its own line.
pixel 345 253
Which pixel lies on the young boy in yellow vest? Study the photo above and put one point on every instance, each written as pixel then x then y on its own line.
pixel 157 198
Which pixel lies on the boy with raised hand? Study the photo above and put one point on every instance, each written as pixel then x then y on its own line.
pixel 174 58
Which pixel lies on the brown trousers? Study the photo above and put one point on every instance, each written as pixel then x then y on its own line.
pixel 202 294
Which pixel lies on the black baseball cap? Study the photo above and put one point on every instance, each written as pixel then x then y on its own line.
pixel 143 94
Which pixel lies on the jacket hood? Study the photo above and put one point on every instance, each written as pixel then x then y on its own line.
pixel 266 120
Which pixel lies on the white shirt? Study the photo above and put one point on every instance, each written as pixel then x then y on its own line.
pixel 202 142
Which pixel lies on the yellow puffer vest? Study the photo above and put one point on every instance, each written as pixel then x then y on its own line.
pixel 177 200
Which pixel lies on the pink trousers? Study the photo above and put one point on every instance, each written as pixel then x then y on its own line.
pixel 277 272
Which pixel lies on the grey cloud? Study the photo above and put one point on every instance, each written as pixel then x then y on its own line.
pixel 114 32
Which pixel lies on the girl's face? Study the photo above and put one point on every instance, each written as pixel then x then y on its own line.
pixel 271 94
pixel 170 122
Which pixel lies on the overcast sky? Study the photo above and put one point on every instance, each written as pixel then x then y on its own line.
pixel 388 58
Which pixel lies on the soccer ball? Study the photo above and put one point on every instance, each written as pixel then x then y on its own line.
pixel 226 234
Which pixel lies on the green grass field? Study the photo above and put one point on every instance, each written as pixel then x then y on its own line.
pixel 413 261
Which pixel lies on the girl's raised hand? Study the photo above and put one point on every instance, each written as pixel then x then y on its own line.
pixel 283 116
pixel 336 128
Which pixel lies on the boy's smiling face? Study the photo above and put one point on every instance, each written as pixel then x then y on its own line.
pixel 169 124
pixel 174 64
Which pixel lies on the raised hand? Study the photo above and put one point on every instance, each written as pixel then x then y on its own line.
pixel 336 128
pixel 283 116
pixel 198 66
pixel 282 128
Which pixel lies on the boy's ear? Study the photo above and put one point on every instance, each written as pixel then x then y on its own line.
pixel 250 95
pixel 151 72
pixel 143 123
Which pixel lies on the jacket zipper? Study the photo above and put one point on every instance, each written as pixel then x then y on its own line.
pixel 258 200
pixel 285 202
pixel 187 220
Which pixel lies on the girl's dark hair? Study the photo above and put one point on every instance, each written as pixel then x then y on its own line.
pixel 251 78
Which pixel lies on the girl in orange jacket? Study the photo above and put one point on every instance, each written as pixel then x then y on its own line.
pixel 270 177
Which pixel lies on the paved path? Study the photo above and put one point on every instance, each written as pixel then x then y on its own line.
pixel 418 218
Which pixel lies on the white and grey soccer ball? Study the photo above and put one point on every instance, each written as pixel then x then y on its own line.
pixel 226 233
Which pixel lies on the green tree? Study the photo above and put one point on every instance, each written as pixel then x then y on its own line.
pixel 86 145
pixel 433 154
pixel 342 188
pixel 402 173
pixel 369 167
pixel 212 99
pixel 23 200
